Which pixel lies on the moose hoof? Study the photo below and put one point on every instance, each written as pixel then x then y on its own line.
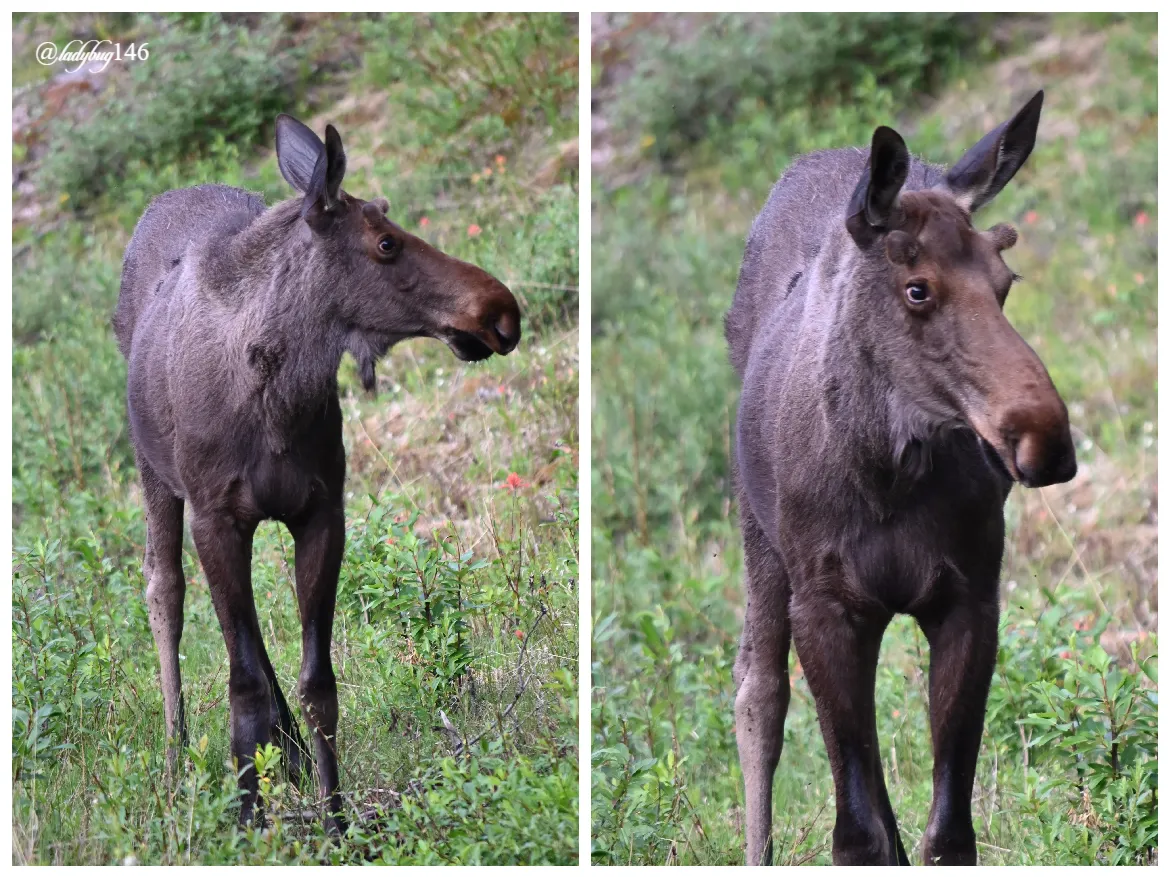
pixel 335 825
pixel 957 848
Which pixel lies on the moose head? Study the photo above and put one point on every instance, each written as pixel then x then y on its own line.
pixel 389 284
pixel 940 286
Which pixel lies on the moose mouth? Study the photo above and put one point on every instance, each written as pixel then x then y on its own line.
pixel 996 461
pixel 467 347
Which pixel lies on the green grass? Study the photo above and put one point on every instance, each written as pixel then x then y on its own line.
pixel 459 593
pixel 1067 768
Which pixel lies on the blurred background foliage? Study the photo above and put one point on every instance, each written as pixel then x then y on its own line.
pixel 695 117
pixel 458 600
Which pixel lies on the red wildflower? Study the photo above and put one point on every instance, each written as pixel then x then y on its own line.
pixel 500 160
pixel 1141 219
pixel 1031 216
pixel 514 482
pixel 424 222
pixel 473 230
pixel 519 634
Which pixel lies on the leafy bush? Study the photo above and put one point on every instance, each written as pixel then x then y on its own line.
pixel 1089 723
pixel 215 81
pixel 490 808
pixel 689 86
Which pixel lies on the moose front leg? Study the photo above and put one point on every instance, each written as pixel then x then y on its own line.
pixel 225 550
pixel 761 681
pixel 163 570
pixel 320 543
pixel 839 651
pixel 963 643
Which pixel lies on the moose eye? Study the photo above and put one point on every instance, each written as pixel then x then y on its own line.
pixel 917 293
pixel 387 246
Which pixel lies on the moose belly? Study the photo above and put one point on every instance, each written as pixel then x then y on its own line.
pixel 152 424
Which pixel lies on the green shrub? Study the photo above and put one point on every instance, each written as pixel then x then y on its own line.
pixel 687 87
pixel 217 81
pixel 1086 725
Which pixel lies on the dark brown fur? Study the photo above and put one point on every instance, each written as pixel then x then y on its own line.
pixel 877 440
pixel 234 319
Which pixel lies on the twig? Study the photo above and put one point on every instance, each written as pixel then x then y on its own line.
pixel 1076 553
pixel 528 284
pixel 463 744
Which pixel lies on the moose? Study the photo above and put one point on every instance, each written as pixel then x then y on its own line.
pixel 887 408
pixel 233 319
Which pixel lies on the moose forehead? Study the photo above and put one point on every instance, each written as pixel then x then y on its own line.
pixel 940 225
pixel 947 248
pixel 370 220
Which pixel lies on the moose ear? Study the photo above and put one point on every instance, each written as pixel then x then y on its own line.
pixel 875 199
pixel 335 171
pixel 297 151
pixel 993 161
pixel 324 191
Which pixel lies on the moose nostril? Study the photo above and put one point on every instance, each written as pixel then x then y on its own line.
pixel 508 331
pixel 1042 461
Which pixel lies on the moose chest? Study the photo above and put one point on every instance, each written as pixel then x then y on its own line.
pixel 260 472
pixel 288 486
pixel 903 551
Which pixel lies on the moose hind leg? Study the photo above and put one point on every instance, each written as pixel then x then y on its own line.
pixel 762 692
pixel 165 590
pixel 963 644
pixel 887 810
pixel 838 651
pixel 225 550
pixel 320 543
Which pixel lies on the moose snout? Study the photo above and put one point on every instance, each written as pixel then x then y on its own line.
pixel 490 321
pixel 499 317
pixel 1041 446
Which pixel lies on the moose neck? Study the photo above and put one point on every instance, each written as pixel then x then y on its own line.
pixel 293 333
pixel 883 438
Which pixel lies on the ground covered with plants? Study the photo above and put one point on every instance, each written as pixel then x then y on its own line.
pixel 455 643
pixel 697 117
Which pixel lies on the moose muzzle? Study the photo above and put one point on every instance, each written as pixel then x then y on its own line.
pixel 1039 442
pixel 490 322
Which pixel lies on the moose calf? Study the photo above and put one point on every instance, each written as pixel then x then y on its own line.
pixel 887 408
pixel 233 319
